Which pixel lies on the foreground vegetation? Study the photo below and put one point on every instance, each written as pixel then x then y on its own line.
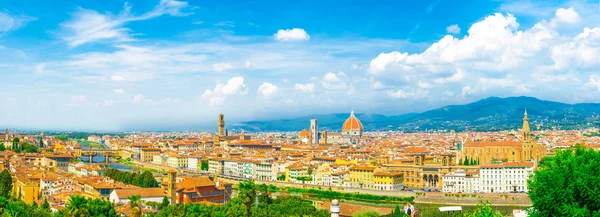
pixel 567 184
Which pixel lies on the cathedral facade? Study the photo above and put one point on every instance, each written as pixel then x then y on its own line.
pixel 523 149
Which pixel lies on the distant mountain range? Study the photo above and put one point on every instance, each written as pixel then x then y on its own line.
pixel 492 113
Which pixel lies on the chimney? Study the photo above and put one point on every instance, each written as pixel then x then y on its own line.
pixel 335 208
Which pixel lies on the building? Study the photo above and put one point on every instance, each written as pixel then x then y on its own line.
pixel 510 150
pixel 314 131
pixel 461 181
pixel 215 166
pixel 27 188
pixel 233 168
pixel 147 154
pixel 60 161
pixel 202 189
pixel 146 194
pixel 177 161
pixel 221 126
pixel 387 181
pixel 361 176
pixel 352 130
pixel 506 177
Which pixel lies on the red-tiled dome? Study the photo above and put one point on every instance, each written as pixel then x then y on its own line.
pixel 352 124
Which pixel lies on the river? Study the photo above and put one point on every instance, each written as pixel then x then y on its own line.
pixel 101 159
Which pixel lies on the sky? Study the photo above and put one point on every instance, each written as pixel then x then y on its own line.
pixel 175 65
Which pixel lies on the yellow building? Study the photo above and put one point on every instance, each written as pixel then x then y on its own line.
pixel 147 154
pixel 362 176
pixel 27 188
pixel 293 172
pixel 388 180
pixel 524 149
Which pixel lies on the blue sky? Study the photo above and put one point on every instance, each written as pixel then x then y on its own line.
pixel 122 65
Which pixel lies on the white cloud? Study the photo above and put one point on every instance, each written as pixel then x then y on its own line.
pixel 334 81
pixel 89 26
pixel 247 64
pixel 218 95
pixel 10 23
pixel 376 84
pixel 221 67
pixel 295 34
pixel 119 91
pixel 424 85
pixel 198 22
pixel 79 98
pixel 109 102
pixel 457 77
pixel 594 82
pixel 138 98
pixel 567 15
pixel 400 94
pixel 306 88
pixel 453 29
pixel 267 90
pixel 117 78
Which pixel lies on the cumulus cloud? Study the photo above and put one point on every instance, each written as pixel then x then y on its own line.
pixel 117 78
pixel 88 26
pixel 221 67
pixel 295 34
pixel 567 15
pixel 594 82
pixel 119 91
pixel 453 29
pixel 267 90
pixel 10 22
pixel 334 81
pixel 218 95
pixel 498 58
pixel 306 88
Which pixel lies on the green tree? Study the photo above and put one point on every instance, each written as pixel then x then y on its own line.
pixel 397 212
pixel 366 213
pixel 76 207
pixel 164 204
pixel 484 210
pixel 45 205
pixel 247 193
pixel 15 145
pixel 204 165
pixel 466 163
pixel 566 184
pixel 2 148
pixel 6 183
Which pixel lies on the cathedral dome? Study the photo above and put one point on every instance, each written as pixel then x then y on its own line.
pixel 304 133
pixel 352 124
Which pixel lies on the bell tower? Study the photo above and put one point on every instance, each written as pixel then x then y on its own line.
pixel 221 125
pixel 172 176
pixel 526 134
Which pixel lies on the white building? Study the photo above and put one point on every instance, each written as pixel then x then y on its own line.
pixel 146 194
pixel 461 181
pixel 194 163
pixel 215 166
pixel 233 168
pixel 507 177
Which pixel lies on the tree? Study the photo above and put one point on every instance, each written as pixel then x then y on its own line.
pixel 2 148
pixel 6 183
pixel 366 213
pixel 45 205
pixel 134 203
pixel 566 184
pixel 466 163
pixel 472 162
pixel 484 210
pixel 397 212
pixel 247 193
pixel 204 165
pixel 76 207
pixel 15 145
pixel 460 162
pixel 164 204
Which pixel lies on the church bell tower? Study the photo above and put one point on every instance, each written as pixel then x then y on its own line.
pixel 221 126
